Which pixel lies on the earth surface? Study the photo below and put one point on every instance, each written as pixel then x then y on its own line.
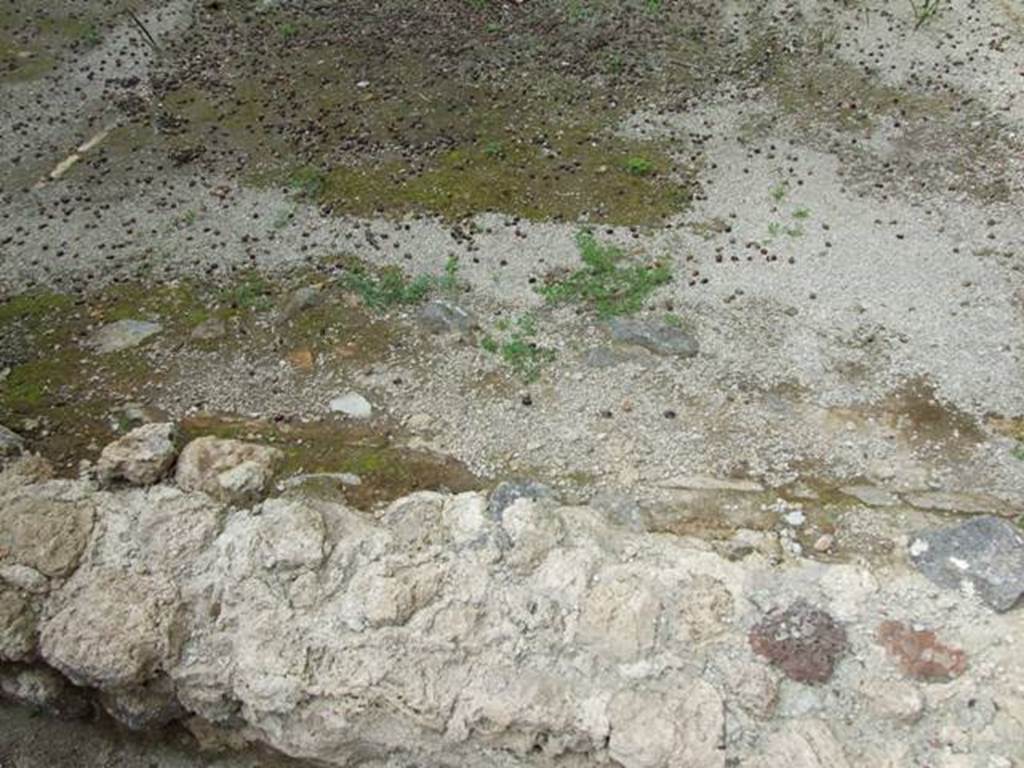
pixel 703 265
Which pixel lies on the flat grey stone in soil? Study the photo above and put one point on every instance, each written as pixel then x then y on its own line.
pixel 985 552
pixel 445 317
pixel 123 334
pixel 657 337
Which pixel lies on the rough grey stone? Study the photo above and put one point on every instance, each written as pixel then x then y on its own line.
pixel 509 492
pixel 209 330
pixel 654 336
pixel 42 688
pixel 986 553
pixel 228 470
pixel 115 629
pixel 44 534
pixel 17 627
pixel 441 316
pixel 11 443
pixel 144 706
pixel 142 457
pixel 300 300
pixel 123 334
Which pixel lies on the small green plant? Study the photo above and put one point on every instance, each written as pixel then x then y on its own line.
pixel 801 213
pixel 91 36
pixel 188 218
pixel 492 28
pixel 385 288
pixel 653 6
pixel 673 320
pixel 449 281
pixel 307 183
pixel 518 350
pixel 924 11
pixel 779 191
pixel 796 231
pixel 495 150
pixel 1018 451
pixel 639 166
pixel 252 293
pixel 578 11
pixel 606 281
pixel 774 229
pixel 288 30
pixel 283 218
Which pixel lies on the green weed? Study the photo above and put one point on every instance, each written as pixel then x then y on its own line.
pixel 307 183
pixel 252 293
pixel 924 11
pixel 519 352
pixel 779 191
pixel 606 281
pixel 449 282
pixel 385 288
pixel 91 36
pixel 639 166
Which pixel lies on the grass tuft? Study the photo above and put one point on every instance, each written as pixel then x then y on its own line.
pixel 606 281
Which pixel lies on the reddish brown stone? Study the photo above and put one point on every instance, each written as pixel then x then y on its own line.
pixel 803 641
pixel 920 654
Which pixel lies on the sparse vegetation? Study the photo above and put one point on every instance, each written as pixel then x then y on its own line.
pixel 639 166
pixel 517 349
pixel 252 293
pixel 607 281
pixel 448 283
pixel 307 182
pixel 924 11
pixel 779 191
pixel 385 288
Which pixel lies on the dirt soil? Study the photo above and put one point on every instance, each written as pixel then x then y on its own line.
pixel 824 199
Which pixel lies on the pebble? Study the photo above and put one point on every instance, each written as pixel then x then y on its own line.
pixel 353 405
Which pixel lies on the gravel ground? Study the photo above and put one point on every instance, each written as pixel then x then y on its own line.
pixel 850 261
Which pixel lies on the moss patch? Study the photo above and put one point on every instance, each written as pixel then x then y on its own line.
pixel 386 471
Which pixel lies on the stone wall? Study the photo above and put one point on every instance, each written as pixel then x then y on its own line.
pixel 446 631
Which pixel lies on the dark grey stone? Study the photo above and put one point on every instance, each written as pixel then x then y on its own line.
pixel 654 336
pixel 987 552
pixel 509 492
